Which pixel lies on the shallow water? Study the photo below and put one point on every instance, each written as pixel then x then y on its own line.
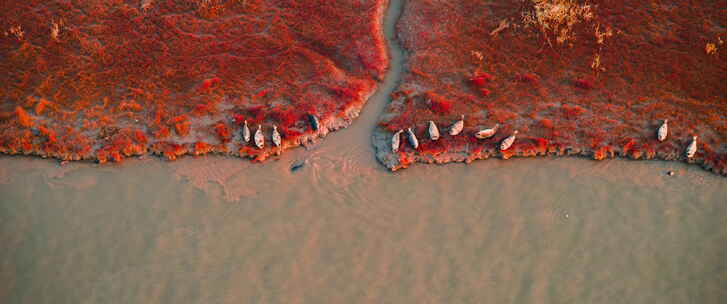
pixel 341 229
pixel 527 231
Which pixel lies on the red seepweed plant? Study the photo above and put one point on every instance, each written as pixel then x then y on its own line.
pixel 183 74
pixel 574 77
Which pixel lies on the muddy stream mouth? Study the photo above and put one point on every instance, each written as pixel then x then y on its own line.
pixel 355 144
pixel 397 60
pixel 359 134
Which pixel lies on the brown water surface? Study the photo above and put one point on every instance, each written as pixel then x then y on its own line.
pixel 526 231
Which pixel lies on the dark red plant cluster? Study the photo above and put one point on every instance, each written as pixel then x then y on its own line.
pixel 440 105
pixel 603 92
pixel 107 80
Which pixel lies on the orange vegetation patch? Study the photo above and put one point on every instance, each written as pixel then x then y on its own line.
pixel 88 79
pixel 592 78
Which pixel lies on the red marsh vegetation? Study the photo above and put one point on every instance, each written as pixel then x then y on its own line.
pixel 594 78
pixel 105 80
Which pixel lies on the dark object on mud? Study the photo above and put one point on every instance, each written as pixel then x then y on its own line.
pixel 297 165
pixel 413 141
pixel 314 122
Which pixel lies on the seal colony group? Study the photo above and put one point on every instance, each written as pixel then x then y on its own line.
pixel 276 137
pixel 454 130
pixel 458 126
pixel 663 132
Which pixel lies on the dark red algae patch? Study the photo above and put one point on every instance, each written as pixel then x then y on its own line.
pixel 105 80
pixel 591 78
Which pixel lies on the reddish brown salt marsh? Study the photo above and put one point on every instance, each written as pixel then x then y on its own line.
pixel 592 78
pixel 106 80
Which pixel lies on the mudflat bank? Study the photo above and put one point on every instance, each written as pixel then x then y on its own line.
pixel 108 80
pixel 595 78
